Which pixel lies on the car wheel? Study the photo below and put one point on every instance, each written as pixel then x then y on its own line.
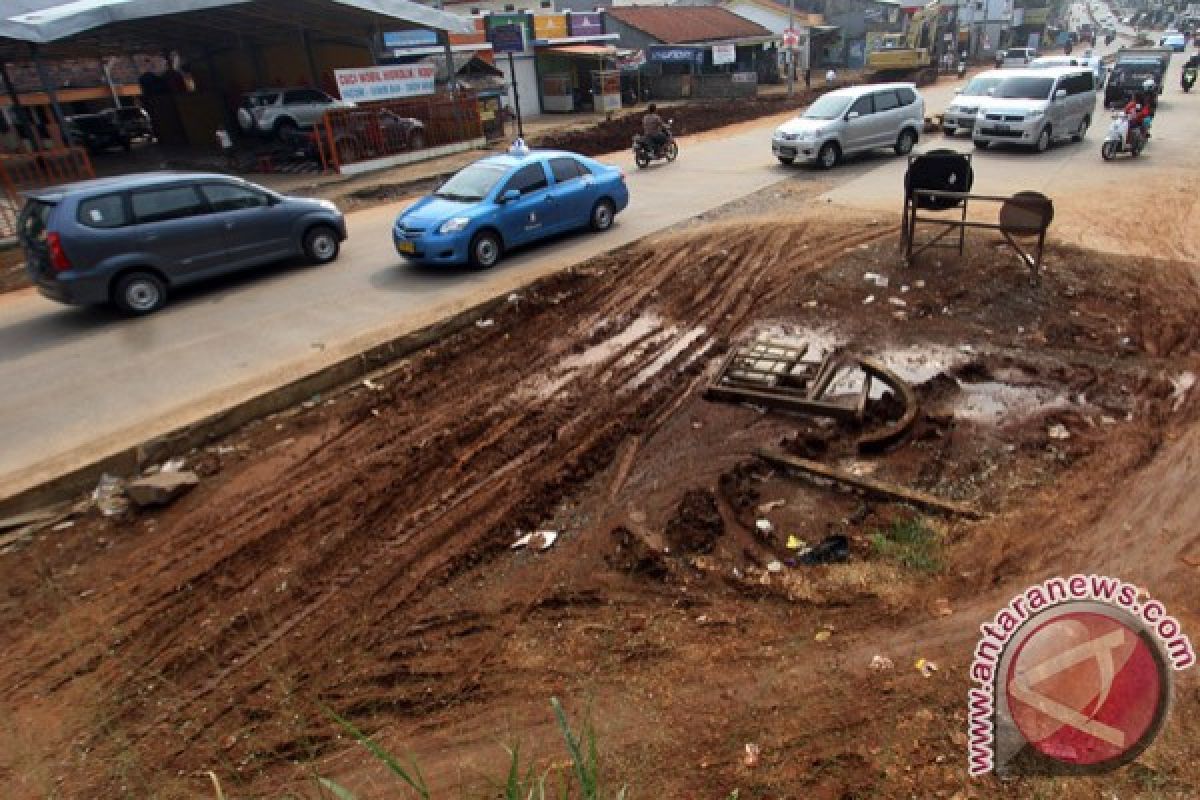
pixel 1108 150
pixel 485 250
pixel 602 215
pixel 905 142
pixel 1084 124
pixel 1043 140
pixel 139 293
pixel 321 244
pixel 829 155
pixel 285 128
pixel 786 160
pixel 980 144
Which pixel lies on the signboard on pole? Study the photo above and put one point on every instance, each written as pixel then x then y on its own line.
pixel 550 26
pixel 609 84
pixel 507 39
pixel 385 83
pixel 724 54
pixel 791 38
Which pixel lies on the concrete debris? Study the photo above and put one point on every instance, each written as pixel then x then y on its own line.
pixel 775 567
pixel 173 464
pixel 1180 387
pixel 868 300
pixel 372 385
pixel 764 527
pixel 161 489
pixel 876 279
pixel 484 323
pixel 750 759
pixel 897 301
pixel 767 508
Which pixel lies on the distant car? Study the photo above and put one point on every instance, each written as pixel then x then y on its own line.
pixel 1175 41
pixel 852 120
pixel 364 134
pixel 1018 56
pixel 96 132
pixel 282 112
pixel 960 114
pixel 129 240
pixel 507 201
pixel 134 122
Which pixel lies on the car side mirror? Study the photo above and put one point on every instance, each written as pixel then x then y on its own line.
pixel 852 115
pixel 509 196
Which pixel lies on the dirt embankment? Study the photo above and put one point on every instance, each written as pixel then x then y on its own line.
pixel 356 553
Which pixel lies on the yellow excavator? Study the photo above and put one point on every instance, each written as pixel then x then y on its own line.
pixel 908 55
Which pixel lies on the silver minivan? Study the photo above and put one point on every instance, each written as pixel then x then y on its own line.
pixel 852 120
pixel 1036 107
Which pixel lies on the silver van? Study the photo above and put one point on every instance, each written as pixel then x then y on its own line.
pixel 1036 107
pixel 852 120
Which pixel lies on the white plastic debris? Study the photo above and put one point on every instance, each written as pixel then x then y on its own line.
pixel 484 323
pixel 372 385
pixel 897 301
pixel 875 278
pixel 1058 431
pixel 869 299
pixel 109 496
pixel 919 284
pixel 173 464
pixel 764 527
pixel 775 566
pixel 1180 387
pixel 538 540
pixel 881 663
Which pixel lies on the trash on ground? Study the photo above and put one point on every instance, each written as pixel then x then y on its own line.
pixel 1058 431
pixel 897 301
pixel 823 635
pixel 62 526
pixel 372 385
pixel 161 489
pixel 875 278
pixel 173 464
pixel 750 759
pixel 764 527
pixel 868 300
pixel 881 663
pixel 775 566
pixel 1180 387
pixel 109 496
pixel 795 543
pixel 484 323
pixel 941 607
pixel 767 508
pixel 538 540
pixel 832 549
pixel 926 667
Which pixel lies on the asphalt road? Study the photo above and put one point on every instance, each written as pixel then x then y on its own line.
pixel 83 383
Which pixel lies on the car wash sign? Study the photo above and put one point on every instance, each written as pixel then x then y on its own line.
pixel 385 83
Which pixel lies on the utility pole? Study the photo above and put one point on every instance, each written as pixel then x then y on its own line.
pixel 791 50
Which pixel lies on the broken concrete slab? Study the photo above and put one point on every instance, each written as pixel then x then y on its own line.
pixel 162 488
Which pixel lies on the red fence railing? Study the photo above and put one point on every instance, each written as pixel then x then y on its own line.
pixel 350 135
pixel 21 171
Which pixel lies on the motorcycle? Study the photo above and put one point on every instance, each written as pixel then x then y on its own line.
pixel 644 151
pixel 1120 139
pixel 1189 78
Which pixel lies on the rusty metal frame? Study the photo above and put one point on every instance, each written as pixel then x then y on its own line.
pixel 960 224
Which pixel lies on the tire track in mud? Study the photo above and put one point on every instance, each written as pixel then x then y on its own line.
pixel 456 461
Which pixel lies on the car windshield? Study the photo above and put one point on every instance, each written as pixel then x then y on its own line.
pixel 472 183
pixel 980 86
pixel 828 107
pixel 1024 88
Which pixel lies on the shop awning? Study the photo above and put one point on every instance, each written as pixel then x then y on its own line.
pixel 75 28
pixel 583 50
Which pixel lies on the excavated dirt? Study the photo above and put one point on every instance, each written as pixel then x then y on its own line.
pixel 355 553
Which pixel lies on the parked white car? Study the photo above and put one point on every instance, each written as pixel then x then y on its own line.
pixel 281 112
pixel 852 120
pixel 1037 107
pixel 1017 57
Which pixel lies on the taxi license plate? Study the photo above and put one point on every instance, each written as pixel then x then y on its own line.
pixel 406 247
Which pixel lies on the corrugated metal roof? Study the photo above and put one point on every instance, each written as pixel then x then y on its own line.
pixel 685 24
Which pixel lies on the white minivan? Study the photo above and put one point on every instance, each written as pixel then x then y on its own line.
pixel 1037 107
pixel 852 120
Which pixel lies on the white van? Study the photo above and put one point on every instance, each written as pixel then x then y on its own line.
pixel 1037 107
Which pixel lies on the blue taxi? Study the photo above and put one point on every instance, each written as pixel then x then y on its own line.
pixel 506 201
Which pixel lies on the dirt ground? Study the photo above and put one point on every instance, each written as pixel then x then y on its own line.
pixel 355 552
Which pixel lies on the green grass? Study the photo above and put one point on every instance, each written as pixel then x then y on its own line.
pixel 519 783
pixel 911 543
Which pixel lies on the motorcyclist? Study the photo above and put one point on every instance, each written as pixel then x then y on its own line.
pixel 1137 110
pixel 653 128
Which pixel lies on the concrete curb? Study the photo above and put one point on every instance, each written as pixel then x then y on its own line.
pixel 133 459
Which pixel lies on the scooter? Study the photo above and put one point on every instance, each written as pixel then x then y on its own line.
pixel 644 150
pixel 1189 78
pixel 1120 139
